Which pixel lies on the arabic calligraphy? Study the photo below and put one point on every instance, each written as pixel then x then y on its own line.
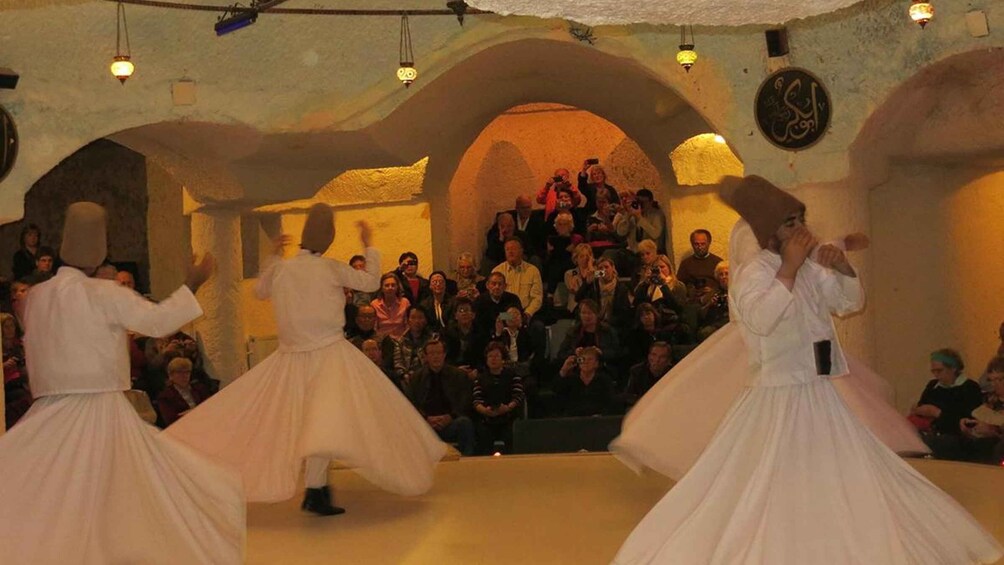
pixel 8 143
pixel 792 109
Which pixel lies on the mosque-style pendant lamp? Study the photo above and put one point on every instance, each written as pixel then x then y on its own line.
pixel 921 12
pixel 122 68
pixel 686 56
pixel 406 73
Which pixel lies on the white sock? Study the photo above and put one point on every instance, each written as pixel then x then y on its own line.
pixel 315 473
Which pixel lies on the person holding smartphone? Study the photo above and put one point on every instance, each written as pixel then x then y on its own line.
pixel 592 182
pixel 548 194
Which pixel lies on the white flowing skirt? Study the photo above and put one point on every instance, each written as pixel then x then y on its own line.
pixel 84 480
pixel 330 402
pixel 793 478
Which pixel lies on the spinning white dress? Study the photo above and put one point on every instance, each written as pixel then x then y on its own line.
pixel 791 476
pixel 317 395
pixel 82 478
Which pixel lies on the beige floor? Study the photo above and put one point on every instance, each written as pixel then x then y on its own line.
pixel 540 510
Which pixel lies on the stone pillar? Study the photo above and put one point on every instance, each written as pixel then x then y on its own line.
pixel 222 327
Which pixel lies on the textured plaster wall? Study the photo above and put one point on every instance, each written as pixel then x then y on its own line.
pixel 396 228
pixel 937 280
pixel 102 172
pixel 169 235
pixel 520 150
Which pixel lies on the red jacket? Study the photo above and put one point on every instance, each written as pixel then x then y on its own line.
pixel 171 405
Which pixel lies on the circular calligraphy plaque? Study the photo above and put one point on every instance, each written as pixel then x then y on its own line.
pixel 8 139
pixel 792 109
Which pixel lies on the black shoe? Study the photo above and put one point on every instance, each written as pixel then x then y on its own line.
pixel 318 501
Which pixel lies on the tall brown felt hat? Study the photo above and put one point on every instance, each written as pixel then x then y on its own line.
pixel 319 229
pixel 764 206
pixel 85 242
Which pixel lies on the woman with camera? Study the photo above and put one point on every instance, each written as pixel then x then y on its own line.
pixel 588 331
pixel 661 288
pixel 583 388
pixel 548 194
pixel 593 185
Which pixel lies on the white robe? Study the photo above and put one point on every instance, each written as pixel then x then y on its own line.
pixel 82 478
pixel 316 396
pixel 791 476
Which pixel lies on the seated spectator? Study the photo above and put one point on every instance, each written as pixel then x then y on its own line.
pixel 584 273
pixel 438 305
pixel 600 232
pixel 643 376
pixel 530 226
pixel 640 218
pixel 391 307
pixel 372 349
pixel 17 395
pixel 126 279
pixel 648 328
pixel 414 287
pixel 983 433
pixel 181 394
pixel 18 293
pixel 465 340
pixel 576 223
pixel 504 228
pixel 469 282
pixel 498 394
pixel 560 246
pixel 522 278
pixel 106 271
pixel 44 265
pixel 985 385
pixel 365 329
pixel 589 331
pixel 26 256
pixel 582 387
pixel 548 195
pixel 613 296
pixel 357 297
pixel 408 349
pixel 714 311
pixel 698 270
pixel 593 185
pixel 648 254
pixel 661 288
pixel 947 398
pixel 511 331
pixel 492 303
pixel 443 395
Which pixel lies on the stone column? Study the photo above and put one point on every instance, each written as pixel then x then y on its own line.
pixel 221 329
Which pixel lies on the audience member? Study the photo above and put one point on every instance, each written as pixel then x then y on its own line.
pixel 715 306
pixel 613 296
pixel 574 223
pixel 438 305
pixel 648 328
pixel 498 394
pixel 443 395
pixel 584 273
pixel 661 288
pixel 511 331
pixel 372 349
pixel 492 303
pixel 530 226
pixel 582 387
pixel 548 195
pixel 559 250
pixel 26 256
pixel 126 279
pixel 589 331
pixel 640 218
pixel 600 232
pixel 414 287
pixel 465 340
pixel 643 376
pixel 18 293
pixel 44 264
pixel 503 229
pixel 469 281
pixel 983 432
pixel 522 278
pixel 698 270
pixel 391 307
pixel 106 271
pixel 17 395
pixel 358 297
pixel 648 253
pixel 593 185
pixel 408 350
pixel 947 398
pixel 181 394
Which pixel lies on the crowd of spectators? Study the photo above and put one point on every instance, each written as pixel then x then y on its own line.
pixel 573 309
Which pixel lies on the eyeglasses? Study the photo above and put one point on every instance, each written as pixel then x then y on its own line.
pixel 410 263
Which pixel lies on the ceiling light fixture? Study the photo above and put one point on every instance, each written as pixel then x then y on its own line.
pixel 121 67
pixel 921 12
pixel 687 56
pixel 406 73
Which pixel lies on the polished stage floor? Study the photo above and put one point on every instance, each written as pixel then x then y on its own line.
pixel 540 510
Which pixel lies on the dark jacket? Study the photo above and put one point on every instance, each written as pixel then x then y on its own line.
pixel 956 403
pixel 456 385
pixel 170 403
pixel 423 288
pixel 487 310
pixel 621 312
pixel 435 324
pixel 465 349
pixel 578 399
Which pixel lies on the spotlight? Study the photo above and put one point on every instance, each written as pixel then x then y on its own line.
pixel 235 22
